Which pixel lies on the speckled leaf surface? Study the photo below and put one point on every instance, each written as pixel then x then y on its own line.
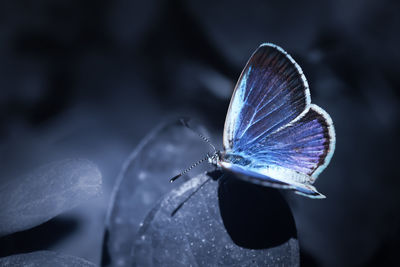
pixel 144 178
pixel 198 224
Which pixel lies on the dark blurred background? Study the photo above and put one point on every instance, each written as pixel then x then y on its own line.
pixel 89 79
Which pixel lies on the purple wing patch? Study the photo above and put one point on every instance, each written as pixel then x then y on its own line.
pixel 271 92
pixel 305 145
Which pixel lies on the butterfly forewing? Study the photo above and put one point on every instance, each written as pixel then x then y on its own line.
pixel 271 92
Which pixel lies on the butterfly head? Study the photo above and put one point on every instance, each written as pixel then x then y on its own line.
pixel 214 158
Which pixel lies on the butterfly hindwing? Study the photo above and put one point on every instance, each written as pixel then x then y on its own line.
pixel 258 175
pixel 304 146
pixel 271 92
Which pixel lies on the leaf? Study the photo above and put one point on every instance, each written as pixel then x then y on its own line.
pixel 44 259
pixel 144 178
pixel 50 190
pixel 186 228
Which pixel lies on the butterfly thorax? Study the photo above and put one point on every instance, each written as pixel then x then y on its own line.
pixel 234 159
pixel 227 157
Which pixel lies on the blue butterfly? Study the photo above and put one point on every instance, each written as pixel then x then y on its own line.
pixel 273 135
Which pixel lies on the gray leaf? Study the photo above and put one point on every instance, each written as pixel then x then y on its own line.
pixel 44 259
pixel 196 225
pixel 50 190
pixel 162 154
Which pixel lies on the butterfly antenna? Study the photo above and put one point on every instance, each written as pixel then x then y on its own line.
pixel 188 169
pixel 185 122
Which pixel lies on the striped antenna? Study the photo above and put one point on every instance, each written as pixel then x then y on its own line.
pixel 185 122
pixel 188 169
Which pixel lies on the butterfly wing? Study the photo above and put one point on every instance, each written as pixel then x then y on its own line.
pixel 271 92
pixel 256 175
pixel 304 146
pixel 272 123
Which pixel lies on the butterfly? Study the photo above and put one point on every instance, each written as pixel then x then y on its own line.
pixel 273 134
